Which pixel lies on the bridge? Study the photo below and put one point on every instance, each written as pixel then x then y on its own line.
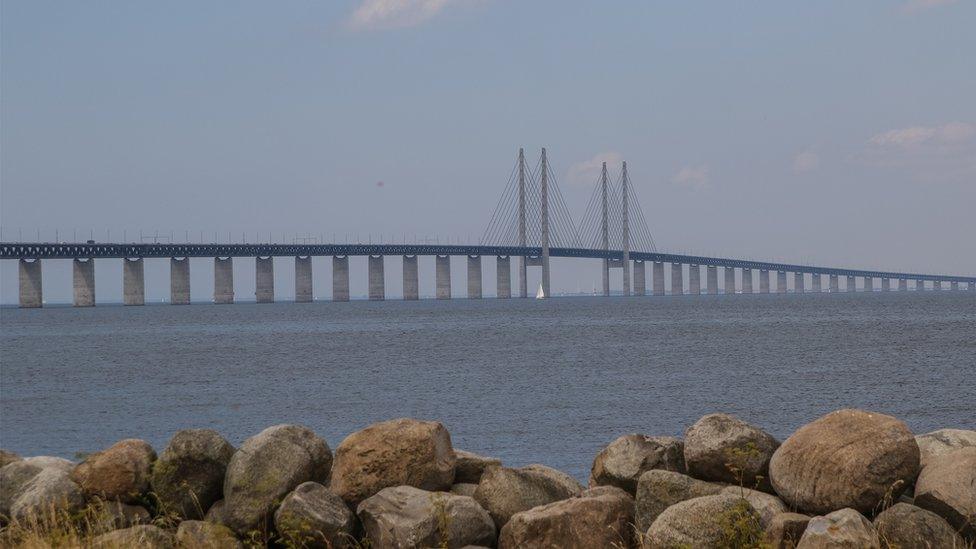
pixel 530 223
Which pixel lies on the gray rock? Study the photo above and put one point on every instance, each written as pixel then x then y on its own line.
pixel 723 448
pixel 504 491
pixel 599 517
pixel 267 467
pixel 464 489
pixel 625 459
pixel 699 522
pixel 313 516
pixel 196 533
pixel 118 473
pixel 785 530
pixel 659 489
pixel 407 517
pixel 112 515
pixel 13 477
pixel 943 441
pixel 215 514
pixel 188 477
pixel 51 462
pixel 144 536
pixel 767 505
pixel 905 526
pixel 840 529
pixel 7 457
pixel 469 467
pixel 947 487
pixel 49 491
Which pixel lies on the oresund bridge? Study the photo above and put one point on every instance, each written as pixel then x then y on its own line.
pixel 530 223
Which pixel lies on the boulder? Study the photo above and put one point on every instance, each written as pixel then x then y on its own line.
pixel 943 441
pixel 464 489
pixel 189 474
pixel 112 515
pixel 708 521
pixel 504 491
pixel 399 452
pixel 767 505
pixel 197 533
pixel 118 473
pixel 723 448
pixel 840 529
pixel 625 459
pixel 49 491
pixel 785 530
pixel 407 517
pixel 904 525
pixel 215 514
pixel 268 466
pixel 468 467
pixel 947 487
pixel 659 489
pixel 144 536
pixel 312 516
pixel 13 477
pixel 7 457
pixel 600 517
pixel 848 458
pixel 50 462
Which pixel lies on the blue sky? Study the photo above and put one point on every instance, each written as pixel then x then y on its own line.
pixel 835 132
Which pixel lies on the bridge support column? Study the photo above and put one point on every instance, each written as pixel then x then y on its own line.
pixel 303 279
pixel 730 280
pixel 411 278
pixel 834 284
pixel 781 282
pixel 474 277
pixel 522 276
pixel 816 283
pixel 677 284
pixel 133 282
pixel 377 282
pixel 972 286
pixel 640 278
pixel 746 281
pixel 954 286
pixel 179 281
pixel 885 284
pixel 223 280
pixel 29 274
pixel 868 284
pixel 442 276
pixel 919 285
pixel 763 281
pixel 798 283
pixel 83 281
pixel 936 285
pixel 264 279
pixel 503 277
pixel 340 278
pixel 657 278
pixel 902 285
pixel 851 284
pixel 711 279
pixel 694 279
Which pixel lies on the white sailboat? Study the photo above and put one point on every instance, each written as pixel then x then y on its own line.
pixel 540 294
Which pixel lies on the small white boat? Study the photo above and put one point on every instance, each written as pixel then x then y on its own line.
pixel 540 294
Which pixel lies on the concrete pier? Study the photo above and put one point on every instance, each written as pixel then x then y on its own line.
pixel 730 280
pixel 711 279
pixel 781 282
pixel 868 284
pixel 816 283
pixel 851 284
pixel 377 281
pixel 640 278
pixel 885 284
pixel 133 282
pixel 657 278
pixel 474 277
pixel 503 277
pixel 303 279
pixel 694 279
pixel 763 281
pixel 677 284
pixel 83 282
pixel 29 274
pixel 798 284
pixel 902 285
pixel 264 279
pixel 936 285
pixel 919 285
pixel 834 284
pixel 179 281
pixel 442 276
pixel 223 280
pixel 411 278
pixel 954 286
pixel 747 281
pixel 340 278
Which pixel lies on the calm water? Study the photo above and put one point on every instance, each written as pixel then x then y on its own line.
pixel 528 381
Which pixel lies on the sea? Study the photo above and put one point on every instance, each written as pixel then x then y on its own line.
pixel 527 381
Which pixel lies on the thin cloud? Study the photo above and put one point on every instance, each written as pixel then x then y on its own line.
pixel 693 177
pixel 932 153
pixel 587 171
pixel 921 5
pixel 806 161
pixel 388 14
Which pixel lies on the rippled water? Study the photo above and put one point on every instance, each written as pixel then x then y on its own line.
pixel 524 380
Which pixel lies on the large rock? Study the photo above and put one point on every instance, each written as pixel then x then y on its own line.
pixel 599 517
pixel 723 448
pixel 112 515
pixel 312 516
pixel 51 462
pixel 407 517
pixel 625 459
pixel 13 477
pixel 708 521
pixel 469 467
pixel 216 513
pixel 848 458
pixel 399 452
pixel 268 466
pixel 51 491
pixel 903 525
pixel 120 472
pixel 7 457
pixel 196 533
pixel 143 536
pixel 947 487
pixel 464 489
pixel 767 505
pixel 785 530
pixel 659 489
pixel 845 528
pixel 188 477
pixel 504 491
pixel 943 441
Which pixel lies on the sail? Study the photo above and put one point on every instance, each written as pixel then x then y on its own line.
pixel 540 294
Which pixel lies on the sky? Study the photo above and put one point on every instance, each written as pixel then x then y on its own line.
pixel 837 133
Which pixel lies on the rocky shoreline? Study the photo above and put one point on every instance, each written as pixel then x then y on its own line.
pixel 851 478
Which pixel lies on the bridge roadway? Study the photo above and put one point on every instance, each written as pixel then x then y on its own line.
pixel 133 281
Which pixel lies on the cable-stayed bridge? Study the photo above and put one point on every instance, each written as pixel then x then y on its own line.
pixel 530 223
